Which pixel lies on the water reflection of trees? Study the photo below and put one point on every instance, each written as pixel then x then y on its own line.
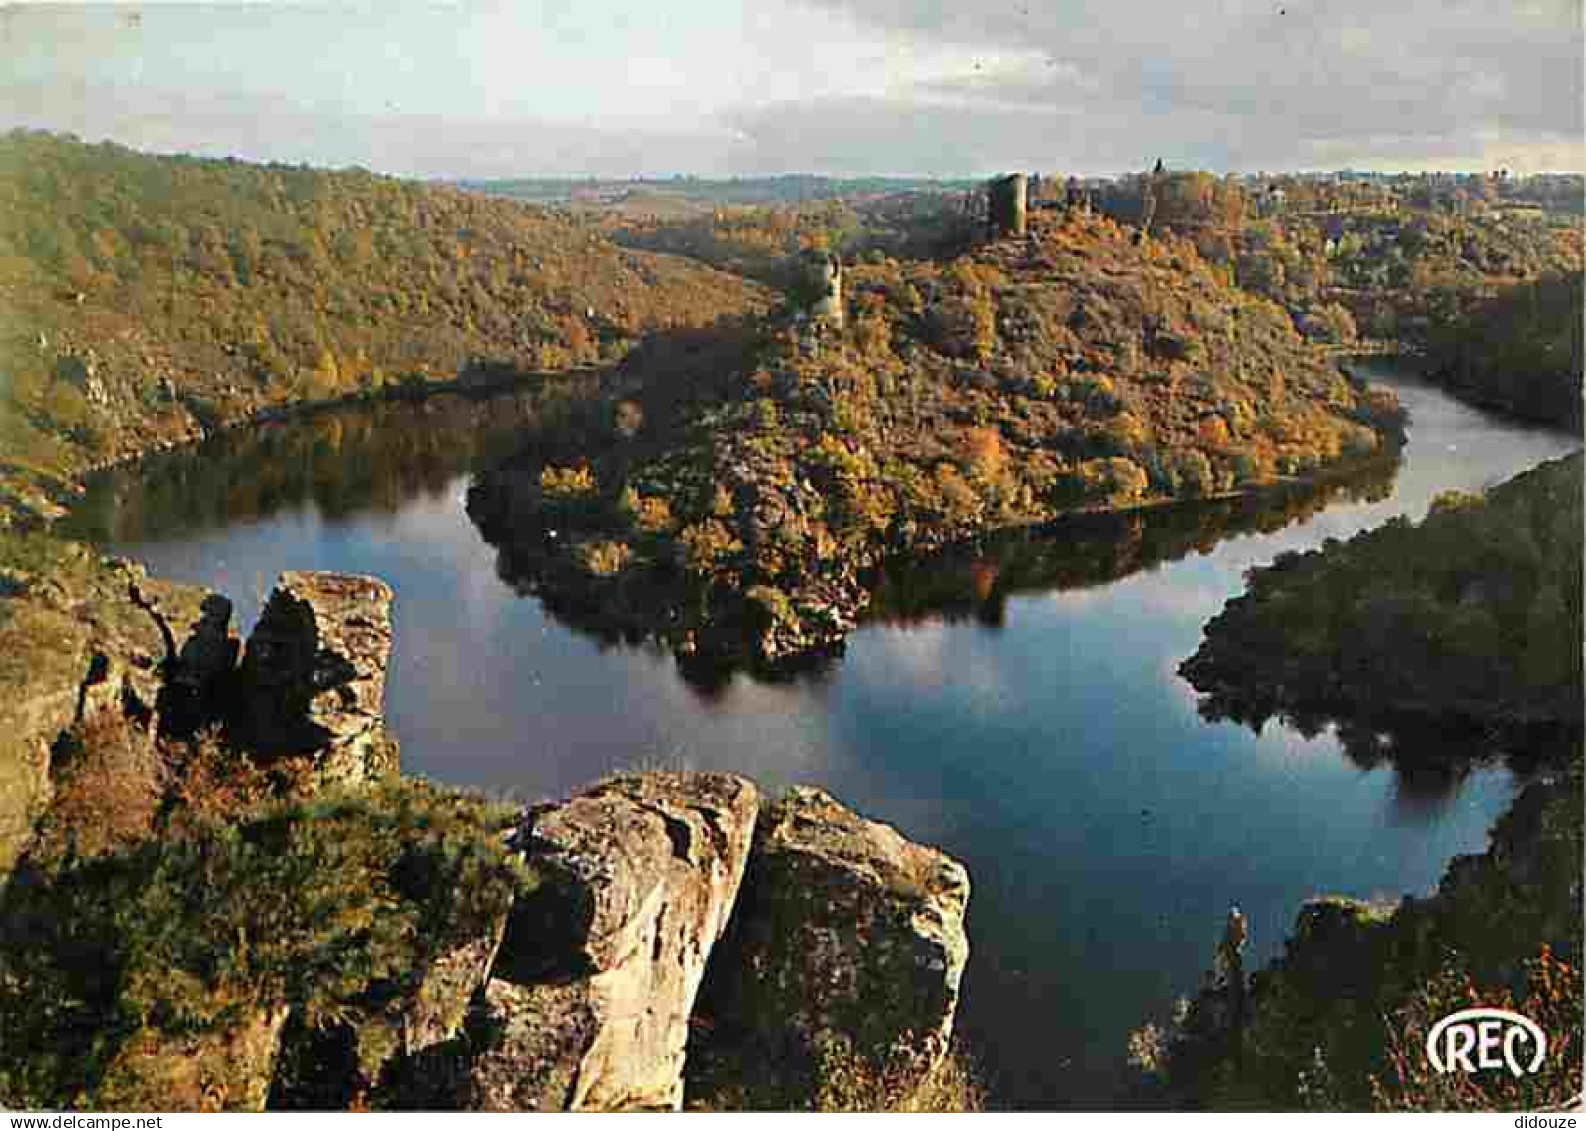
pixel 374 459
pixel 975 580
pixel 970 581
pixel 363 459
pixel 1431 756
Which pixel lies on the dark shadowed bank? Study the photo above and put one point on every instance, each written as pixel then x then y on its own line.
pixel 1437 645
pixel 1340 1021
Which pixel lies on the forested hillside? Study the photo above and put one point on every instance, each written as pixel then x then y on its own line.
pixel 1519 351
pixel 1472 273
pixel 144 297
pixel 1395 265
pixel 763 243
pixel 1079 369
pixel 1465 626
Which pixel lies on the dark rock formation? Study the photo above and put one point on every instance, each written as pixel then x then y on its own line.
pixel 638 878
pixel 85 640
pixel 196 672
pixel 200 680
pixel 94 639
pixel 849 940
pixel 313 677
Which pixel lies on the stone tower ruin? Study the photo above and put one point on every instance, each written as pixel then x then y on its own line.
pixel 822 281
pixel 1008 200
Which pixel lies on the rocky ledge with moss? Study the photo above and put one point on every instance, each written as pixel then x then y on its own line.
pixel 737 515
pixel 225 895
pixel 84 641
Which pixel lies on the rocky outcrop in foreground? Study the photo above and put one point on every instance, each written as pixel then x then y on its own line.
pixel 83 640
pixel 849 943
pixel 313 677
pixel 363 939
pixel 846 939
pixel 88 643
pixel 598 977
pixel 831 944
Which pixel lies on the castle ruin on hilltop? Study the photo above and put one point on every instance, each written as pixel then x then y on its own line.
pixel 821 279
pixel 1008 205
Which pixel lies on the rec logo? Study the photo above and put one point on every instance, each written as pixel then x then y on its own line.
pixel 1476 1039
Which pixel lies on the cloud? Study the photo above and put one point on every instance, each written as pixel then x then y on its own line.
pixel 862 136
pixel 263 128
pixel 1237 85
pixel 838 86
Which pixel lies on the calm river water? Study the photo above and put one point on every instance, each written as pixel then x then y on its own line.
pixel 1016 704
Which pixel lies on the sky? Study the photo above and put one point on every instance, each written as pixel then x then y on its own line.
pixel 607 88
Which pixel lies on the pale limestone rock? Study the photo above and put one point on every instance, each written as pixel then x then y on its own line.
pixel 639 876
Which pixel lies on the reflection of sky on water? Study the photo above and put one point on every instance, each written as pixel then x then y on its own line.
pixel 1106 826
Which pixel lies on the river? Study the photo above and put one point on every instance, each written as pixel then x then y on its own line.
pixel 1016 704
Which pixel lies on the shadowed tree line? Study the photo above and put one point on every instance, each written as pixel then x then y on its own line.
pixel 1427 644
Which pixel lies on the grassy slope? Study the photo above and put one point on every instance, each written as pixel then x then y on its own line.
pixel 135 968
